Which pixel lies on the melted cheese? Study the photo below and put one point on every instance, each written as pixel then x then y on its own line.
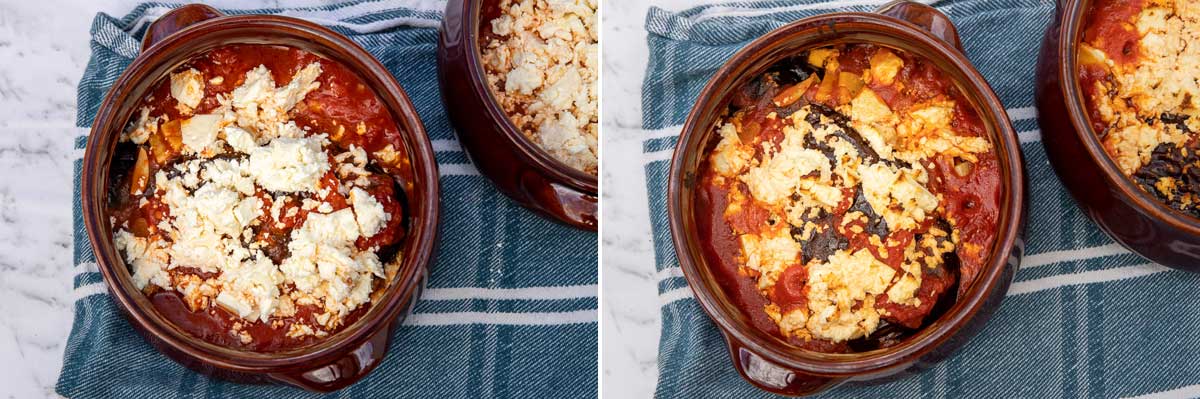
pixel 897 194
pixel 1162 79
pixel 837 287
pixel 782 172
pixel 769 254
pixel 810 173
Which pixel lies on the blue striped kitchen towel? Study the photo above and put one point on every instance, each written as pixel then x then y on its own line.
pixel 1084 318
pixel 510 309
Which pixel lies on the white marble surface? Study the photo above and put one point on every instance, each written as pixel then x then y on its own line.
pixel 43 51
pixel 631 321
pixel 44 47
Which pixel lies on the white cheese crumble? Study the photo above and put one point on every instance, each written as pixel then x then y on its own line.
pixel 325 264
pixel 897 194
pixel 542 65
pixel 217 206
pixel 290 165
pixel 188 87
pixel 837 287
pixel 260 106
pixel 368 212
pixel 200 132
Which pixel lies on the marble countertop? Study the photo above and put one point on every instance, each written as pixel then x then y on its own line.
pixel 630 320
pixel 44 48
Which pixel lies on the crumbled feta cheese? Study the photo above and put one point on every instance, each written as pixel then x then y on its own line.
pixel 141 130
pixel 200 132
pixel 290 165
pixel 368 212
pixel 782 171
pixel 258 104
pixel 188 87
pixel 216 205
pixel 241 140
pixel 769 254
pixel 543 70
pixel 145 257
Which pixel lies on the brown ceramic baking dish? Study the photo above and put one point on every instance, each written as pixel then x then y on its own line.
pixel 515 164
pixel 1129 215
pixel 342 358
pixel 766 360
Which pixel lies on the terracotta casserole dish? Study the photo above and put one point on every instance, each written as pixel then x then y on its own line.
pixel 514 163
pixel 1125 212
pixel 352 351
pixel 768 360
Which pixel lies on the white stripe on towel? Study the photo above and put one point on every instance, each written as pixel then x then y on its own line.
pixel 445 145
pixel 1070 255
pixel 457 169
pixel 1020 114
pixel 655 156
pixel 673 271
pixel 1089 277
pixel 89 290
pixel 86 267
pixel 668 297
pixel 1190 391
pixel 523 293
pixel 511 319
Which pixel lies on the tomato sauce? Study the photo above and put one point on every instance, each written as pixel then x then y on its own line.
pixel 968 202
pixel 1109 26
pixel 344 107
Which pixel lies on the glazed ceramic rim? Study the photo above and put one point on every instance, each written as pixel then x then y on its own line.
pixel 1073 96
pixel 931 336
pixel 542 159
pixel 403 288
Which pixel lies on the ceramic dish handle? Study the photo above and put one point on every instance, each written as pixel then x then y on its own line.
pixel 342 372
pixel 771 377
pixel 176 20
pixel 571 206
pixel 925 17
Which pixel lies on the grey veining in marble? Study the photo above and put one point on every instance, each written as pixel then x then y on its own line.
pixel 43 51
pixel 631 320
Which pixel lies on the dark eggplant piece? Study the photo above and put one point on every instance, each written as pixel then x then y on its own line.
pixel 888 334
pixel 875 223
pixel 119 171
pixel 823 243
pixel 1182 164
pixel 846 132
pixel 794 69
pixel 1180 121
pixel 753 93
